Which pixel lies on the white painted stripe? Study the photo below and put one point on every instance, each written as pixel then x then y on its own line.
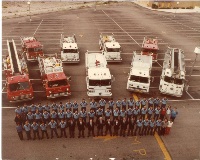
pixel 159 64
pixel 189 94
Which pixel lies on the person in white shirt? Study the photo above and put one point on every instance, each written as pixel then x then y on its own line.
pixel 168 112
pixel 169 126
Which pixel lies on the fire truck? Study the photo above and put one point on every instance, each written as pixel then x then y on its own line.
pixel 150 47
pixel 172 79
pixel 110 47
pixel 69 49
pixel 32 48
pixel 140 73
pixel 98 77
pixel 18 85
pixel 54 79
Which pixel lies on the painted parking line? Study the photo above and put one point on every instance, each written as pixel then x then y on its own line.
pixel 160 142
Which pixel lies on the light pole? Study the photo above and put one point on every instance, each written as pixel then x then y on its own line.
pixel 197 52
pixel 29 4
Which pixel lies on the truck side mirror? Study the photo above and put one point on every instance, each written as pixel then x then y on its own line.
pixel 69 78
pixel 113 78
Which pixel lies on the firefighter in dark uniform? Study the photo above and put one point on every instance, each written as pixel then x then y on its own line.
pixel 71 125
pixel 108 125
pixel 116 125
pixel 123 127
pixel 100 123
pixel 131 124
pixel 81 128
pixel 90 126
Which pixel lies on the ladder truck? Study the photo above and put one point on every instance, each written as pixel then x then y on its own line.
pixel 140 73
pixel 172 80
pixel 69 49
pixel 110 48
pixel 53 77
pixel 32 48
pixel 98 77
pixel 18 85
pixel 150 47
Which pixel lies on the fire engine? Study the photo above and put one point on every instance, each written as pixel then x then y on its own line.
pixel 98 77
pixel 54 79
pixel 140 73
pixel 18 85
pixel 150 47
pixel 172 79
pixel 69 49
pixel 32 48
pixel 110 47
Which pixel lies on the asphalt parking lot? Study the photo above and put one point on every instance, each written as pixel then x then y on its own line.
pixel 129 24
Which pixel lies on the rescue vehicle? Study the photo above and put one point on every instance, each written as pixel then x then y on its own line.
pixel 98 77
pixel 54 79
pixel 140 73
pixel 110 47
pixel 69 49
pixel 18 85
pixel 32 48
pixel 172 80
pixel 150 47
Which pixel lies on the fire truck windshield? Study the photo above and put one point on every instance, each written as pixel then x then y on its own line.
pixel 173 80
pixel 178 81
pixel 70 50
pixel 105 82
pixel 19 86
pixel 57 83
pixel 139 79
pixel 35 49
pixel 113 49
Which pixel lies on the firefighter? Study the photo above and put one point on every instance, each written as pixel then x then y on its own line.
pixel 81 128
pixel 93 105
pixel 108 125
pixel 137 103
pixel 27 128
pixel 30 117
pixel 91 114
pixel 108 114
pixel 99 113
pixel 143 102
pixel 53 115
pixel 38 117
pixel 116 125
pixel 131 124
pixel 124 103
pixel 150 102
pixel 47 107
pixel 90 126
pixel 157 113
pixel 46 117
pixel 35 127
pixel 158 125
pixel 111 104
pixel 139 124
pixel 61 115
pixel 71 125
pixel 63 126
pixel 102 104
pixel 53 126
pixel 61 107
pixel 19 131
pixel 123 127
pixel 131 103
pixel 145 127
pixel 19 110
pixel 164 102
pixel 75 106
pixel 68 115
pixel 150 112
pixel 129 113
pixel 83 104
pixel 143 112
pixel 164 126
pixel 83 115
pixel 100 123
pixel 39 108
pixel 54 107
pixel 151 127
pixel 68 105
pixel 116 113
pixel 136 113
pixel 18 119
pixel 32 108
pixel 174 113
pixel 122 114
pixel 118 104
pixel 156 102
pixel 43 127
pixel 76 116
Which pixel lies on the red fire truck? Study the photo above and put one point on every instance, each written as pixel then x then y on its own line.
pixel 18 85
pixel 32 48
pixel 54 79
pixel 150 47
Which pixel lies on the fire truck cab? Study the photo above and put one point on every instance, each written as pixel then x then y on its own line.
pixel 18 85
pixel 32 48
pixel 54 79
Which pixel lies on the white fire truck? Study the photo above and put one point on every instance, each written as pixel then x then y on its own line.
pixel 110 47
pixel 54 79
pixel 32 48
pixel 140 73
pixel 172 80
pixel 69 49
pixel 98 77
pixel 150 47
pixel 18 85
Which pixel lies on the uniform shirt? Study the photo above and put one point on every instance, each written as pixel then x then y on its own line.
pixel 136 111
pixel 157 111
pixel 54 115
pixel 75 105
pixel 27 127
pixel 122 113
pixel 99 112
pixel 19 128
pixel 143 102
pixel 129 112
pixel 25 109
pixel 18 111
pixel 68 105
pixel 123 103
pixel 93 104
pixel 102 103
pixel 68 114
pixel 150 111
pixel 146 123
pixel 137 103
pixel 156 101
pixel 150 101
pixel 173 113
pixel 47 108
pixel 116 113
pixel 108 113
pixel 61 115
pixel 158 123
pixel 30 116
pixel 118 104
pixel 61 107
pixel 54 106
pixel 130 103
pixel 143 111
pixel 83 114
pixel 35 126
pixel 139 123
pixel 151 124
pixel 33 108
pixel 40 109
pixel 170 124
pixel 83 104
pixel 63 125
pixel 91 114
pixel 111 103
pixel 46 115
pixel 38 115
pixel 76 115
pixel 43 127
pixel 53 125
pixel 164 101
